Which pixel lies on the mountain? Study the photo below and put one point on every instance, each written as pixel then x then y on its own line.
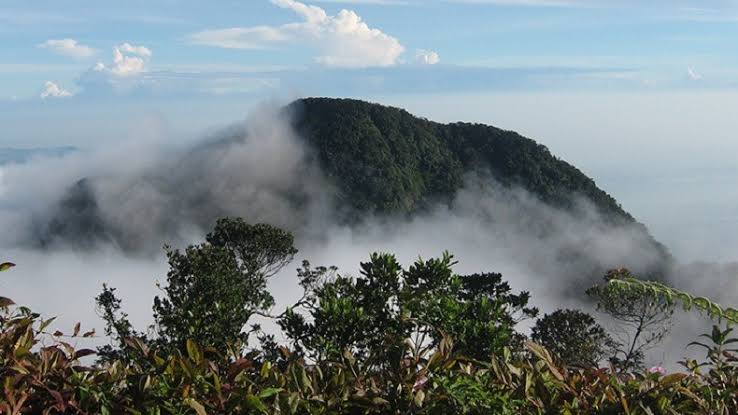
pixel 385 160
pixel 380 162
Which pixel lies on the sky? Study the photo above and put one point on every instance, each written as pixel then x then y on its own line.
pixel 640 96
pixel 62 49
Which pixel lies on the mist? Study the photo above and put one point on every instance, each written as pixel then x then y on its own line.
pixel 155 189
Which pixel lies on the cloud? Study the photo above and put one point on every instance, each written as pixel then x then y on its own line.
pixel 52 90
pixel 343 40
pixel 68 47
pixel 693 75
pixel 427 57
pixel 262 170
pixel 489 227
pixel 126 74
pixel 259 37
pixel 136 50
pixel 127 60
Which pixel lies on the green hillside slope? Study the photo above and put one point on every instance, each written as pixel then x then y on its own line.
pixel 386 160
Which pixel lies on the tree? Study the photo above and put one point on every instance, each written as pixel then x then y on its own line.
pixel 373 315
pixel 644 320
pixel 346 314
pixel 478 311
pixel 261 250
pixel 117 326
pixel 574 336
pixel 213 289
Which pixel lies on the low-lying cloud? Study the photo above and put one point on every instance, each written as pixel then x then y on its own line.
pixel 75 222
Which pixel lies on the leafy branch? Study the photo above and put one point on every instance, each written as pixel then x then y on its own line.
pixel 626 283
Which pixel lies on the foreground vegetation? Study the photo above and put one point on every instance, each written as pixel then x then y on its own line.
pixel 392 340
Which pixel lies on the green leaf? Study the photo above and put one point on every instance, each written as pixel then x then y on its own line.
pixel 193 351
pixel 673 378
pixel 702 303
pixel 419 398
pixel 269 392
pixel 197 406
pixel 265 368
pixel 45 324
pixel 254 402
pixel 538 350
pixel 6 266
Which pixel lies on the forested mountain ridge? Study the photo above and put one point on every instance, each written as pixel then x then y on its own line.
pixel 353 161
pixel 385 160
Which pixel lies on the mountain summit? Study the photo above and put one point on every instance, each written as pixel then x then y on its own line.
pixel 385 160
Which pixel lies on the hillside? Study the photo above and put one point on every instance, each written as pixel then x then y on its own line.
pixel 386 160
pixel 379 162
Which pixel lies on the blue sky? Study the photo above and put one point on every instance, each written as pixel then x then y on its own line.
pixel 262 46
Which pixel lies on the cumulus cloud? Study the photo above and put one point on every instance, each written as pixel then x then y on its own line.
pixel 142 51
pixel 127 60
pixel 53 90
pixel 343 40
pixel 427 57
pixel 68 47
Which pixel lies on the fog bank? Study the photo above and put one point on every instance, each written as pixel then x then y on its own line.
pixel 75 222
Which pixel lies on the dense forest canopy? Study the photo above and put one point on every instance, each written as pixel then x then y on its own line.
pixel 387 160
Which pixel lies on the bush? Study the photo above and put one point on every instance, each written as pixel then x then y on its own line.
pixel 420 340
pixel 574 337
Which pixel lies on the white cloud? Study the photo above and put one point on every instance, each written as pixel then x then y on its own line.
pixel 693 75
pixel 142 51
pixel 68 47
pixel 127 60
pixel 343 40
pixel 52 90
pixel 427 57
pixel 258 37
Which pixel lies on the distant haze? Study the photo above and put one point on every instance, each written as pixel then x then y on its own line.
pixel 680 188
